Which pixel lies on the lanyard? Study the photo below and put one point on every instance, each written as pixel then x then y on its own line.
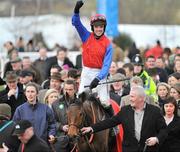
pixel 7 124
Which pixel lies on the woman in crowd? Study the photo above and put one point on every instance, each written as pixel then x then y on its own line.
pixel 162 92
pixel 51 96
pixel 174 78
pixel 172 142
pixel 175 92
pixel 177 65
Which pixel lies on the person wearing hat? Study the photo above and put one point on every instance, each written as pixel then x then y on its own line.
pixel 13 94
pixel 96 54
pixel 16 65
pixel 7 65
pixel 24 130
pixel 6 130
pixel 55 83
pixel 149 84
pixel 54 69
pixel 118 89
pixel 39 114
pixel 25 76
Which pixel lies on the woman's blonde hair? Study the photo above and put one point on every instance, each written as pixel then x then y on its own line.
pixel 50 91
pixel 163 84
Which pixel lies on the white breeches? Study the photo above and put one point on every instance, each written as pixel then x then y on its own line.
pixel 87 75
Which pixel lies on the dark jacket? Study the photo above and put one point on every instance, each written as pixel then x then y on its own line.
pixel 53 61
pixel 153 125
pixel 41 117
pixel 12 101
pixel 172 142
pixel 60 107
pixel 6 130
pixel 35 144
pixel 2 82
pixel 41 67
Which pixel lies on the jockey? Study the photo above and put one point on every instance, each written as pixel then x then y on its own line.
pixel 96 55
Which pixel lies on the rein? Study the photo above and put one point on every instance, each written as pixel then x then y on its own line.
pixel 74 148
pixel 94 121
pixel 89 141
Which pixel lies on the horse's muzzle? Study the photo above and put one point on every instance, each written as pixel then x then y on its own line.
pixel 74 139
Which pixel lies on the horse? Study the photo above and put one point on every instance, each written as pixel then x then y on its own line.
pixel 86 113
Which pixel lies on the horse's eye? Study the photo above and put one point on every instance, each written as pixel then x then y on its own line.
pixel 81 114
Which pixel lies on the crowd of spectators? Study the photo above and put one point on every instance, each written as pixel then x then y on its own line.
pixel 40 91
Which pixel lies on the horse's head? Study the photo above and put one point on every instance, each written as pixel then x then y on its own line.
pixel 86 113
pixel 75 116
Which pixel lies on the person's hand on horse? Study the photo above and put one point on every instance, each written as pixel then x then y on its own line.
pixel 94 83
pixel 65 128
pixel 79 4
pixel 51 139
pixel 4 149
pixel 86 130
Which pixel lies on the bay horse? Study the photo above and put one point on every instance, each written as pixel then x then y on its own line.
pixel 86 113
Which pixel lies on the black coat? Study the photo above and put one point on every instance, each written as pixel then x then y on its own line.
pixel 12 101
pixel 153 125
pixel 172 142
pixel 35 144
pixel 6 137
pixel 2 82
pixel 59 108
pixel 53 61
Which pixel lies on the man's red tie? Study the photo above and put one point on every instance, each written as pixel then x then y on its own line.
pixel 22 148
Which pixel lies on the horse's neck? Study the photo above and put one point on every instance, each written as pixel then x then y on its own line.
pixel 94 113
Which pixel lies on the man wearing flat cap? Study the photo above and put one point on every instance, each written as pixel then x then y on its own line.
pixel 6 130
pixel 13 94
pixel 118 88
pixel 29 141
pixel 25 76
pixel 16 65
pixel 55 83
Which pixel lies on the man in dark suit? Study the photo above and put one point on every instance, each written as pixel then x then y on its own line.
pixel 60 59
pixel 13 94
pixel 142 124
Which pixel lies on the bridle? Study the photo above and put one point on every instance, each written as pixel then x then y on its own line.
pixel 90 140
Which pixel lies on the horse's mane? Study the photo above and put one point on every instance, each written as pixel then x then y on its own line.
pixel 91 97
pixel 76 104
pixel 90 100
pixel 95 101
